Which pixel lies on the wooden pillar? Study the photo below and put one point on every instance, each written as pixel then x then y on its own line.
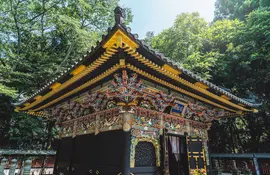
pixel 3 166
pixel 126 155
pixel 127 115
pixel 166 152
pixel 27 167
pixel 13 167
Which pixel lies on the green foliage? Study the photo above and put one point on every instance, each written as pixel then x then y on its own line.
pixel 234 9
pixel 184 34
pixel 41 38
pixel 219 36
pixel 183 43
pixel 27 132
pixel 201 63
pixel 244 68
pixel 7 91
pixel 264 3
pixel 246 56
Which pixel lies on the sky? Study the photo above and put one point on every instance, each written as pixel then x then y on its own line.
pixel 157 15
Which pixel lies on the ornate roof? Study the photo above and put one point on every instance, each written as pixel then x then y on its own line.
pixel 122 49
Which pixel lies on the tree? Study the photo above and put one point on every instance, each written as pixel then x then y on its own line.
pixel 234 9
pixel 244 68
pixel 183 43
pixel 237 9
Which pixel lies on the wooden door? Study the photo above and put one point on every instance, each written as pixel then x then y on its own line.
pixel 84 155
pixel 196 153
pixel 177 153
pixel 63 157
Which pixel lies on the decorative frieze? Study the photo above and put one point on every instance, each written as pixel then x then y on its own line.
pixel 93 123
pixel 147 119
pixel 136 118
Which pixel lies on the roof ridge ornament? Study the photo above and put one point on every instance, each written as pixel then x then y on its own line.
pixel 119 15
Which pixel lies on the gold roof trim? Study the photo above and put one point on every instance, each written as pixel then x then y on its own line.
pixel 228 98
pixel 78 70
pixel 87 70
pixel 201 85
pixel 118 38
pixel 171 69
pixel 37 97
pixel 54 86
pixel 85 85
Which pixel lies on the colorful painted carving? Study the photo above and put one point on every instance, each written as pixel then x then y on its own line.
pixel 150 118
pixel 110 120
pixel 86 125
pixel 67 129
pixel 125 88
pixel 105 120
pixel 97 100
pixel 196 112
pixel 130 91
pixel 146 95
pixel 142 119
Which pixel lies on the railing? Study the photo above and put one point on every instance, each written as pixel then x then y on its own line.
pixel 249 163
pixel 26 162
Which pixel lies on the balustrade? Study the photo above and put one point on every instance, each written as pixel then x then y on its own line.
pixel 246 164
pixel 27 167
pixel 10 162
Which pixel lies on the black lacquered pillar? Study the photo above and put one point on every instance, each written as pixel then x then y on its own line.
pixel 127 114
pixel 126 155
